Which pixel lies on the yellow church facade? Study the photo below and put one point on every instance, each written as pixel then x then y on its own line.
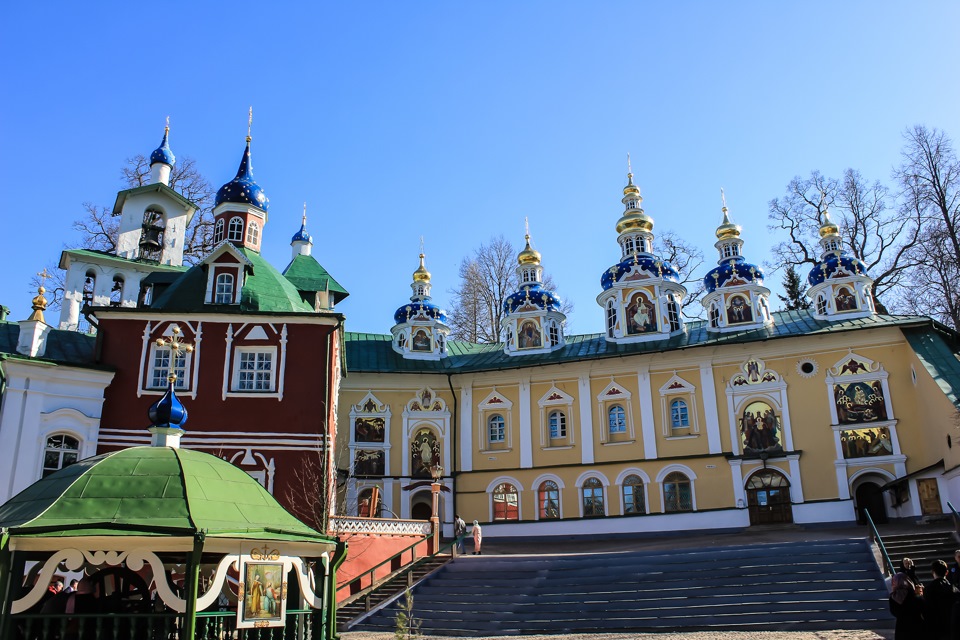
pixel 747 418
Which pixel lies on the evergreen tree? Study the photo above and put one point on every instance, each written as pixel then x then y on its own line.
pixel 793 286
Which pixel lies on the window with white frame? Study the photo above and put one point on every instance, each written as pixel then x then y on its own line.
pixel 714 315
pixel 223 294
pixel 592 494
pixel 61 451
pixel 633 498
pixel 548 500
pixel 821 305
pixel 611 317
pixel 506 502
pixel 235 230
pixel 160 365
pixel 496 428
pixel 617 419
pixel 218 232
pixel 254 370
pixel 679 415
pixel 677 493
pixel 673 313
pixel 253 233
pixel 554 333
pixel 558 424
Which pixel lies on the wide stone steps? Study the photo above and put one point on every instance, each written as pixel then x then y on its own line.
pixel 922 548
pixel 797 586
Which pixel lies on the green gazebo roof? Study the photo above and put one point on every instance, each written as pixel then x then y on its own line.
pixel 158 491
pixel 307 274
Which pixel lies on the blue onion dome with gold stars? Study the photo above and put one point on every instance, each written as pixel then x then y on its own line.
pixel 834 260
pixel 168 412
pixel 243 189
pixel 732 265
pixel 531 293
pixel 420 307
pixel 650 263
pixel 302 235
pixel 163 154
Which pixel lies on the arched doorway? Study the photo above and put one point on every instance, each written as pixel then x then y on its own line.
pixel 768 498
pixel 421 506
pixel 869 498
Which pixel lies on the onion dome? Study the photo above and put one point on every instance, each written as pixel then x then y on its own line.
pixel 168 412
pixel 421 274
pixel 735 268
pixel 727 229
pixel 532 297
pixel 419 310
pixel 829 227
pixel 528 256
pixel 243 189
pixel 652 264
pixel 829 266
pixel 163 154
pixel 302 235
pixel 633 218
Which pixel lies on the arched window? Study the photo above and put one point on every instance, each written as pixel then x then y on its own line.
pixel 116 291
pixel 554 332
pixel 441 342
pixel 89 286
pixel 558 424
pixel 224 291
pixel 673 313
pixel 365 506
pixel 61 451
pixel 592 493
pixel 714 315
pixel 633 500
pixel 548 500
pixel 218 232
pixel 611 317
pixel 617 419
pixel 821 305
pixel 506 502
pixel 235 230
pixel 679 415
pixel 253 233
pixel 401 339
pixel 496 427
pixel 628 246
pixel 677 493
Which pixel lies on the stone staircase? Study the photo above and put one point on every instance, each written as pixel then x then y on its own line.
pixel 921 547
pixel 833 584
pixel 351 609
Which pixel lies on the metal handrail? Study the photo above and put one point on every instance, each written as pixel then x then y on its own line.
pixel 875 536
pixel 956 517
pixel 372 571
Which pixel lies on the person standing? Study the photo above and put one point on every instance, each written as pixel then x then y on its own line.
pixel 73 586
pixel 459 531
pixel 477 537
pixel 939 597
pixel 954 573
pixel 906 602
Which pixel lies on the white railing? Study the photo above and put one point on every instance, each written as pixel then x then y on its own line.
pixel 379 526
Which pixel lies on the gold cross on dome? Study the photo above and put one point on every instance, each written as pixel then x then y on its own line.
pixel 177 348
pixel 43 276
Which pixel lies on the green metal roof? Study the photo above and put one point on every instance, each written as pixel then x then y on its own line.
pixel 937 351
pixel 264 289
pixel 63 347
pixel 151 491
pixel 368 352
pixel 307 274
pixel 110 257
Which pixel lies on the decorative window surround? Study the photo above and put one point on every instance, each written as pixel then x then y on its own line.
pixel 493 485
pixel 615 393
pixel 691 476
pixel 556 400
pixel 148 349
pixel 231 364
pixel 425 410
pixel 626 473
pixel 676 388
pixel 587 475
pixel 368 407
pixel 752 384
pixel 535 487
pixel 495 402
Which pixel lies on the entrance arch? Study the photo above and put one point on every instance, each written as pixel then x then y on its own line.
pixel 421 505
pixel 768 498
pixel 869 498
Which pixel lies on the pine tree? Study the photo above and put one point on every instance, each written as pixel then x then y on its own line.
pixel 793 286
pixel 407 627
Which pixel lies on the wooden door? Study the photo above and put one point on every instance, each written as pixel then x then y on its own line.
pixel 929 497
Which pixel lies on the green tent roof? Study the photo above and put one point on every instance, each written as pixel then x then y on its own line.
pixel 307 274
pixel 106 256
pixel 151 491
pixel 264 289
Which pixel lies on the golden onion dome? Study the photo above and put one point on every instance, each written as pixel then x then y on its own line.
pixel 631 189
pixel 528 255
pixel 829 227
pixel 727 229
pixel 421 274
pixel 634 220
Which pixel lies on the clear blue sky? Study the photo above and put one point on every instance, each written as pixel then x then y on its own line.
pixel 455 120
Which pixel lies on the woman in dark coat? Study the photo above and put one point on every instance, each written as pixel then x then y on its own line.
pixel 906 602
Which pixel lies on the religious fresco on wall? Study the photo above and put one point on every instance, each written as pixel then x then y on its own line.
pixel 641 315
pixel 421 340
pixel 859 402
pixel 424 453
pixel 368 462
pixel 368 429
pixel 754 371
pixel 263 595
pixel 760 429
pixel 738 309
pixel 865 443
pixel 529 335
pixel 845 300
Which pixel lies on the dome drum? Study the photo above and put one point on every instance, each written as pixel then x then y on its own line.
pixel 733 272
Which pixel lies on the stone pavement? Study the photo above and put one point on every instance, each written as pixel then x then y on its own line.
pixel 700 635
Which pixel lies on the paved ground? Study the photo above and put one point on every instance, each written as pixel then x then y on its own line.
pixel 703 635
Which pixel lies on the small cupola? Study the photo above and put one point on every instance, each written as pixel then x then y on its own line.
pixel 420 328
pixel 302 241
pixel 840 286
pixel 162 159
pixel 240 208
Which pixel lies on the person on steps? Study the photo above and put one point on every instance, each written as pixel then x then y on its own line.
pixel 459 531
pixel 939 598
pixel 906 602
pixel 477 537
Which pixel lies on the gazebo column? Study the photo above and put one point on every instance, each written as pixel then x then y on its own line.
pixel 193 587
pixel 6 596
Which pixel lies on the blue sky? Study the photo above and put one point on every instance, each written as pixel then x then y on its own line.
pixel 455 120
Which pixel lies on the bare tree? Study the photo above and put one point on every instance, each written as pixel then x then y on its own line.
pixel 929 178
pixel 686 258
pixel 486 279
pixel 881 237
